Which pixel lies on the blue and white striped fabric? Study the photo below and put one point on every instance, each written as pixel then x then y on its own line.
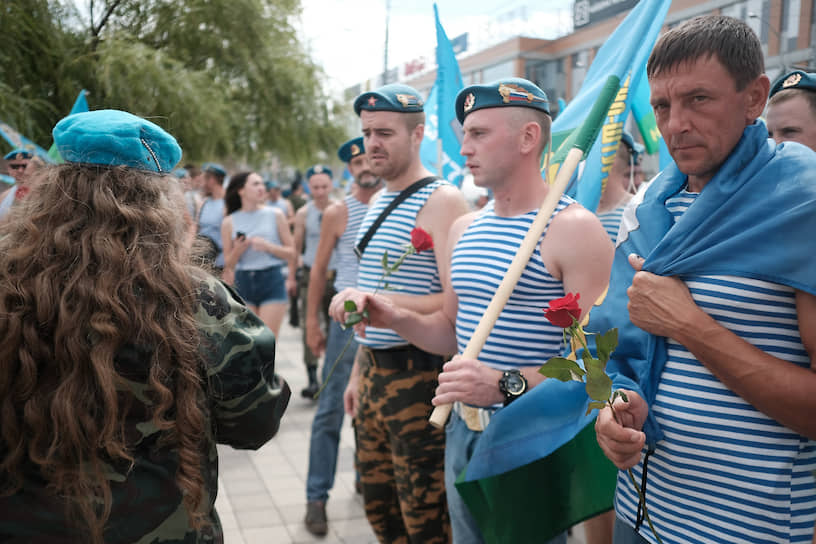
pixel 346 259
pixel 611 221
pixel 522 336
pixel 725 472
pixel 418 275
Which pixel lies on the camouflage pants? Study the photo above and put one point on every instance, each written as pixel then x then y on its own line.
pixel 401 455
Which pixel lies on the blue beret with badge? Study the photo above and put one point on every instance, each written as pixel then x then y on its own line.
pixel 794 80
pixel 116 138
pixel 351 149
pixel 18 155
pixel 635 148
pixel 394 97
pixel 214 168
pixel 271 184
pixel 318 169
pixel 511 91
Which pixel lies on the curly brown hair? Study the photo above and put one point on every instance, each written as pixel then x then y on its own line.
pixel 92 260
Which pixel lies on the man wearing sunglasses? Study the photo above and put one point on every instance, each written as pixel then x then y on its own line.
pixel 17 164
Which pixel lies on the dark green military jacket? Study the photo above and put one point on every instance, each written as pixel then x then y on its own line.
pixel 246 401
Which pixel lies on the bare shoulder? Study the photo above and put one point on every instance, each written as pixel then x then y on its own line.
pixel 447 194
pixel 461 224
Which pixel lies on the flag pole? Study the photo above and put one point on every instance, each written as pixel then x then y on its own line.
pixel 584 137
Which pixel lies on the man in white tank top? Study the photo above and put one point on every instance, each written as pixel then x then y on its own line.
pixel 716 310
pixel 503 143
pixel 400 454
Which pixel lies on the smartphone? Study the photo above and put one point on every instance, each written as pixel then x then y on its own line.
pixel 240 235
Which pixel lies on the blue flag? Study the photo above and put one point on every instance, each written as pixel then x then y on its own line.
pixel 620 65
pixel 440 113
pixel 18 141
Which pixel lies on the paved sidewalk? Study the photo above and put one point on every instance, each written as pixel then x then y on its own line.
pixel 262 494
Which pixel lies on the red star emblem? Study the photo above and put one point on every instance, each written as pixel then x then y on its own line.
pixel 372 101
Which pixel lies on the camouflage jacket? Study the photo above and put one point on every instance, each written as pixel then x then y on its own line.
pixel 246 401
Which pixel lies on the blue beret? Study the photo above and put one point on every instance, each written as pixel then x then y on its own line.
pixel 512 91
pixel 794 80
pixel 393 97
pixel 351 149
pixel 318 169
pixel 181 173
pixel 635 148
pixel 271 184
pixel 18 155
pixel 214 168
pixel 116 138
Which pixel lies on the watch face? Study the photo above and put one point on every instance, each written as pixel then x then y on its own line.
pixel 514 383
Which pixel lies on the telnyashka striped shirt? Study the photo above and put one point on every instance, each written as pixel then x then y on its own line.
pixel 522 336
pixel 611 221
pixel 725 472
pixel 418 275
pixel 346 260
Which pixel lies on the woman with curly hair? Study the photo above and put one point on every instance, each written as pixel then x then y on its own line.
pixel 257 246
pixel 122 364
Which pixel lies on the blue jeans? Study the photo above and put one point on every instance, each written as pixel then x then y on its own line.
pixel 459 445
pixel 625 534
pixel 328 420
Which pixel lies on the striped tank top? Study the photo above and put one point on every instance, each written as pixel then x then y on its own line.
pixel 345 259
pixel 611 221
pixel 418 275
pixel 522 336
pixel 726 472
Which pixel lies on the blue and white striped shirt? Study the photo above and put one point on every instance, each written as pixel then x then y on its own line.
pixel 611 221
pixel 346 259
pixel 418 275
pixel 522 336
pixel 725 471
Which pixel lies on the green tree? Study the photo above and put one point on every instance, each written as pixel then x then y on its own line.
pixel 228 78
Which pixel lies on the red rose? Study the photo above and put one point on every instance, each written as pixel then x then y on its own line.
pixel 421 240
pixel 562 310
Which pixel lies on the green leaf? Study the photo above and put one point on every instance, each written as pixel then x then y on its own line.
pixel 595 405
pixel 621 394
pixel 353 319
pixel 365 313
pixel 384 261
pixel 598 384
pixel 349 306
pixel 606 343
pixel 562 369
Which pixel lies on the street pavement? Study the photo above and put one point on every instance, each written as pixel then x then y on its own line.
pixel 262 494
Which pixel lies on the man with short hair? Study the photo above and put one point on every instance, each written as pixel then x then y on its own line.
pixel 624 178
pixel 307 222
pixel 211 212
pixel 274 198
pixel 713 293
pixel 17 162
pixel 341 221
pixel 503 142
pixel 400 454
pixel 791 113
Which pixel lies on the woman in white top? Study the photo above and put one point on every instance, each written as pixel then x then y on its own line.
pixel 257 246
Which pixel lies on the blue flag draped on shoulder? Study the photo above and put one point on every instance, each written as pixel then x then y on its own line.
pixel 441 122
pixel 618 67
pixel 80 106
pixel 537 468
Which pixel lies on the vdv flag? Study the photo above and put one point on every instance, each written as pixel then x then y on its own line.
pixel 80 105
pixel 537 468
pixel 440 113
pixel 618 68
pixel 18 141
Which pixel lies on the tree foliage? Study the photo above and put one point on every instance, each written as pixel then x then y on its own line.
pixel 228 78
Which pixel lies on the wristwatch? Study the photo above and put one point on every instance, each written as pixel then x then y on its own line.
pixel 512 384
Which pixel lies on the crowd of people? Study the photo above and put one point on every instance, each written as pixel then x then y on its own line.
pixel 139 305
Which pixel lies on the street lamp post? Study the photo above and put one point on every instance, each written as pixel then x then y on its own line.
pixel 752 15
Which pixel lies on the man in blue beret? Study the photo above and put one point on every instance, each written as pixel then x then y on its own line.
pixel 401 455
pixel 791 115
pixel 275 198
pixel 506 129
pixel 17 162
pixel 211 214
pixel 341 222
pixel 307 234
pixel 622 182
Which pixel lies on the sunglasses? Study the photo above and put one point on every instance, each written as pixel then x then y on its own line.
pixel 17 166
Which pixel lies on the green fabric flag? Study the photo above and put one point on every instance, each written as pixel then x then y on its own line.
pixel 574 483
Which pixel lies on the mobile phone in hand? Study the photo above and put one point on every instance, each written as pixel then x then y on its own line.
pixel 240 235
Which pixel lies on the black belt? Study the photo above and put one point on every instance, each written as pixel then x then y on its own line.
pixel 403 358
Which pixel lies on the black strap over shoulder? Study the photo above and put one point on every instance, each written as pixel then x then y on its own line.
pixel 404 194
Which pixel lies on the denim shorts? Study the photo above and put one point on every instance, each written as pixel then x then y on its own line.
pixel 259 287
